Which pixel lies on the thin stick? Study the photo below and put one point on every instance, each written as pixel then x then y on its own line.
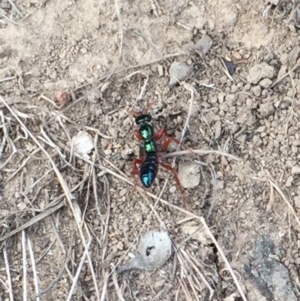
pixel 61 180
pixel 23 164
pixel 24 266
pixel 104 288
pixel 225 259
pixel 141 95
pixel 15 8
pixel 35 276
pixel 54 206
pixel 115 281
pixel 121 29
pixel 132 67
pixel 11 297
pixel 186 255
pixel 75 279
pixel 187 122
pixel 286 200
pixel 201 152
pixel 4 139
pixel 284 76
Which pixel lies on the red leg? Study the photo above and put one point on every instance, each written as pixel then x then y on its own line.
pixel 136 162
pixel 160 133
pixel 170 168
pixel 138 135
pixel 135 171
pixel 168 140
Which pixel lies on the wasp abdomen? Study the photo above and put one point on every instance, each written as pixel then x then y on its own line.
pixel 148 170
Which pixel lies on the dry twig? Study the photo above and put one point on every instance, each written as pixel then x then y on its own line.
pixel 10 289
pixel 35 274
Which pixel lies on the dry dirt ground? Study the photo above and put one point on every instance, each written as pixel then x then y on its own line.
pixel 236 106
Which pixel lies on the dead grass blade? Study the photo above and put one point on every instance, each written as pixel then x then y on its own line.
pixel 33 265
pixel 15 8
pixel 275 186
pixel 201 152
pixel 10 290
pixel 75 279
pixel 104 288
pixel 224 259
pixel 23 164
pixel 185 290
pixel 117 288
pixel 279 191
pixel 191 263
pixel 61 180
pixel 52 207
pixel 24 266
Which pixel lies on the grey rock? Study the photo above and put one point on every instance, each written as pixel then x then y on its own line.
pixel 265 83
pixel 179 71
pixel 266 109
pixel 203 45
pixel 260 71
pixel 267 274
pixel 257 91
pixel 296 169
pixel 293 56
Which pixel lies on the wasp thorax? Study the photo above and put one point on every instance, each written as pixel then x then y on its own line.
pixel 146 131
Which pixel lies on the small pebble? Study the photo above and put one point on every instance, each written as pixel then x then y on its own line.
pixel 289 181
pixel 256 91
pixel 265 83
pixel 266 109
pixel 260 71
pixel 179 71
pixel 203 45
pixel 296 169
pixel 160 70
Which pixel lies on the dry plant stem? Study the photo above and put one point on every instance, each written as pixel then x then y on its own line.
pixel 185 290
pixel 23 164
pixel 121 29
pixel 51 285
pixel 284 76
pixel 98 132
pixel 24 266
pixel 50 101
pixel 91 265
pixel 10 291
pixel 104 288
pixel 187 122
pixel 62 182
pixel 15 8
pixel 46 251
pixel 141 95
pixel 192 286
pixel 48 211
pixel 3 284
pixel 51 208
pixel 200 152
pixel 225 260
pixel 186 255
pixel 132 67
pixel 35 275
pixel 79 269
pixel 279 191
pixel 4 136
pixel 115 281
